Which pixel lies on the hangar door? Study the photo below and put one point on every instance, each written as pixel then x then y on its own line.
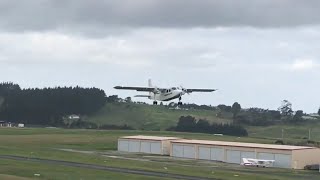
pixel 155 147
pixel 185 151
pixel 266 156
pixel 177 150
pixel 217 154
pixel 204 153
pixel 188 151
pixel 248 154
pixel 134 146
pixel 145 147
pixel 233 156
pixel 123 145
pixel 282 160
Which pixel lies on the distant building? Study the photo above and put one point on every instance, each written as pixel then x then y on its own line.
pixel 9 124
pixel 74 117
pixel 2 123
pixel 314 115
pixel 309 117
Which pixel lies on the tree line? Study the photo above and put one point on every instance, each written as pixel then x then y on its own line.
pixel 263 117
pixel 252 116
pixel 191 124
pixel 47 106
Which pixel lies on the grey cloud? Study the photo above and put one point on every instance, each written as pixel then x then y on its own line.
pixel 106 15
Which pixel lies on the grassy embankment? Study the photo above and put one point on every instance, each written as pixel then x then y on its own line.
pixel 149 117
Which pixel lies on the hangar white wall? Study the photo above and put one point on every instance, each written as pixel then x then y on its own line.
pixel 123 145
pixel 183 151
pixel 150 147
pixel 281 160
pixel 230 154
pixel 211 153
pixel 146 144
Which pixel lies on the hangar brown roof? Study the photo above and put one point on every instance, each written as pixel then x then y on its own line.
pixel 240 144
pixel 155 138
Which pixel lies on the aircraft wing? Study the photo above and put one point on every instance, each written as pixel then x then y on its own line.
pixel 265 160
pixel 146 89
pixel 245 160
pixel 200 90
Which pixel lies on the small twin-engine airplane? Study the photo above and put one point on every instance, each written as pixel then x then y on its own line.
pixel 257 162
pixel 163 94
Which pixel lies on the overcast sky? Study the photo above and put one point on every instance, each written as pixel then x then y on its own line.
pixel 257 53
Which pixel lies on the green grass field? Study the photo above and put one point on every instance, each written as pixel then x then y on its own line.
pixel 290 132
pixel 27 170
pixel 47 143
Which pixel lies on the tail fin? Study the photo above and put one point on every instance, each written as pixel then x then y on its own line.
pixel 150 85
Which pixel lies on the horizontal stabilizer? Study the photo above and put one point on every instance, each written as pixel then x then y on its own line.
pixel 147 96
pixel 146 89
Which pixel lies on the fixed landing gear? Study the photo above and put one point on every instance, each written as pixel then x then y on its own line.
pixel 180 103
pixel 155 103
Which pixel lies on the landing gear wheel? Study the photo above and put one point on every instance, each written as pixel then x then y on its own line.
pixel 155 102
pixel 180 103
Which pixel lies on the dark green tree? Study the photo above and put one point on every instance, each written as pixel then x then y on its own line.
pixel 298 116
pixel 189 124
pixel 113 98
pixel 128 100
pixel 235 109
pixel 186 124
pixel 224 108
pixel 203 126
pixel 286 108
pixel 47 106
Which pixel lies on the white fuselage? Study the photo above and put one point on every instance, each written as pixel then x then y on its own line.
pixel 257 162
pixel 167 94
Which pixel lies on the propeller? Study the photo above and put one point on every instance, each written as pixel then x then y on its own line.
pixel 156 90
pixel 184 90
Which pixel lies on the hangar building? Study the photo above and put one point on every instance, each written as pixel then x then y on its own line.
pixel 146 144
pixel 295 157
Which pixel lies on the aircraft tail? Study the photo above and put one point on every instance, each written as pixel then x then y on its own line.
pixel 149 83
